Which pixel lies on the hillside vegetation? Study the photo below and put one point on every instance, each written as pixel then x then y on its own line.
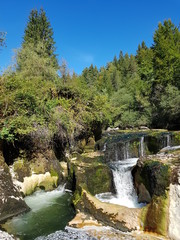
pixel 37 96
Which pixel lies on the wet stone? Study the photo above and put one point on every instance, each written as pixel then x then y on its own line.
pixel 70 234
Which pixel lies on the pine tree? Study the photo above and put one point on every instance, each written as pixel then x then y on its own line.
pixel 90 75
pixel 167 53
pixel 39 30
pixel 144 58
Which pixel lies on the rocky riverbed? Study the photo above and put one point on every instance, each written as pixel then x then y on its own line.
pixel 6 236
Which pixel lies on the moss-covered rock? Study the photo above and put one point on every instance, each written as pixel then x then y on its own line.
pixel 89 171
pixel 155 215
pixel 46 162
pixel 21 169
pixel 155 177
pixel 176 138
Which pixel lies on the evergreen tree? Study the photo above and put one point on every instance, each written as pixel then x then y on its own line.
pixel 144 58
pixel 167 54
pixel 90 75
pixel 39 30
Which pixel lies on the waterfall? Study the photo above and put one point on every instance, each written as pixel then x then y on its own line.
pixel 104 148
pixel 123 181
pixel 141 147
pixel 126 150
pixel 168 140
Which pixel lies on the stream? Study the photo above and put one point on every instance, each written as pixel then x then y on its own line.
pixel 50 211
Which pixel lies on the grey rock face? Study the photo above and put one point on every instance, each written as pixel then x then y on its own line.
pixel 11 202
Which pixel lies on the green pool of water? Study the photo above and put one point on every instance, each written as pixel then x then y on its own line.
pixel 50 211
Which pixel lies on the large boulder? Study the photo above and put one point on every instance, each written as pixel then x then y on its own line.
pixel 89 171
pixel 11 202
pixel 153 176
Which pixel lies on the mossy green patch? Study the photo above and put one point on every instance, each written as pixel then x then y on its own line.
pixel 176 137
pixel 155 215
pixel 53 172
pixel 22 169
pixel 76 197
pixel 91 173
pixel 99 180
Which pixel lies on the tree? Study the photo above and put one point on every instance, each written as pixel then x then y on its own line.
pixel 39 29
pixel 144 58
pixel 64 70
pixel 169 107
pixel 90 75
pixel 33 62
pixel 37 58
pixel 166 50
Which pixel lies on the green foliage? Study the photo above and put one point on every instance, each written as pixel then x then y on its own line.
pixel 144 59
pixel 129 92
pixel 34 61
pixel 166 53
pixel 169 105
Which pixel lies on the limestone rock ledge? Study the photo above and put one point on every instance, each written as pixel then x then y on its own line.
pixel 120 217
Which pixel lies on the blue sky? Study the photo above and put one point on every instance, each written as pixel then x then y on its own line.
pixel 88 31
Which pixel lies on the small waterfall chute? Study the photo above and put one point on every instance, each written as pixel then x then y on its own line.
pixel 168 140
pixel 123 180
pixel 141 147
pixel 104 147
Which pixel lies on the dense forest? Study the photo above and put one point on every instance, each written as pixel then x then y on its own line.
pixel 39 96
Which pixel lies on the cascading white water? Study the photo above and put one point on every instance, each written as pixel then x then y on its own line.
pixel 104 148
pixel 41 199
pixel 168 140
pixel 141 150
pixel 125 192
pixel 126 150
pixel 123 180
